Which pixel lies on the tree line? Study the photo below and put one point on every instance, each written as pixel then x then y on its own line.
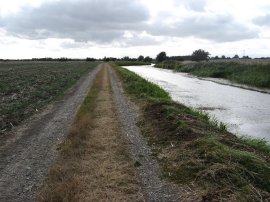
pixel 197 55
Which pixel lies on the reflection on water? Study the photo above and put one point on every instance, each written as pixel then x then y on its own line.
pixel 244 111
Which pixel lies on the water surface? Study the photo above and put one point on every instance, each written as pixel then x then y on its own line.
pixel 245 112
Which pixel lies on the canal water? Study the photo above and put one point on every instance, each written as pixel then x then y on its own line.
pixel 245 112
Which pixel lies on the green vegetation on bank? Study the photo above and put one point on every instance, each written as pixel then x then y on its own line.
pixel 131 63
pixel 26 87
pixel 173 65
pixel 254 73
pixel 196 153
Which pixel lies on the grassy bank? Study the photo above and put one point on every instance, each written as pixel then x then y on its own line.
pixel 173 65
pixel 131 63
pixel 26 87
pixel 254 73
pixel 199 155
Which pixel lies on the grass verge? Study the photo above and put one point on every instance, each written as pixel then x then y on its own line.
pixel 26 87
pixel 93 164
pixel 194 152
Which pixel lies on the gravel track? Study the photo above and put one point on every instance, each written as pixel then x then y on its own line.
pixel 153 187
pixel 26 155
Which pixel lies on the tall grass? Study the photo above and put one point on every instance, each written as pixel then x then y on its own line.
pixel 173 65
pixel 253 74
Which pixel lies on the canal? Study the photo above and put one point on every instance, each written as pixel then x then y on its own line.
pixel 245 112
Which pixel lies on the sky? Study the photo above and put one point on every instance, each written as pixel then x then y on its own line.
pixel 118 28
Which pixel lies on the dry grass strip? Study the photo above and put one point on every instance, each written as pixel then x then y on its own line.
pixel 94 164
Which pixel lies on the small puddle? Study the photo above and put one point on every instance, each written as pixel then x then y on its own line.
pixel 244 111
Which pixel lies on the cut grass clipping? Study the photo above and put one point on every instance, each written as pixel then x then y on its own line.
pixel 26 87
pixel 196 153
pixel 93 164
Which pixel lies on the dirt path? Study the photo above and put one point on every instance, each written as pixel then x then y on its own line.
pixel 110 174
pixel 100 167
pixel 27 154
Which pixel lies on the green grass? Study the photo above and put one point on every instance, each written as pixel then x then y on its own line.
pixel 198 152
pixel 131 63
pixel 253 74
pixel 141 88
pixel 173 65
pixel 26 87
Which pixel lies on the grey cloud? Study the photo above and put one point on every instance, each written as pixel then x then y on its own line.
pixel 105 21
pixel 140 41
pixel 196 5
pixel 135 40
pixel 92 20
pixel 263 20
pixel 215 28
pixel 74 45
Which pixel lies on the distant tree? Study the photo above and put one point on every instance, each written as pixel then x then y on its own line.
pixel 42 59
pixel 246 57
pixel 236 57
pixel 140 58
pixel 199 55
pixel 161 57
pixel 223 57
pixel 126 58
pixel 147 59
pixel 216 57
pixel 63 59
pixel 90 59
pixel 106 59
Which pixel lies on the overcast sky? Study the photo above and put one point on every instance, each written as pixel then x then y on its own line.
pixel 117 28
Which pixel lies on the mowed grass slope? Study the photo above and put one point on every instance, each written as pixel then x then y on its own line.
pixel 26 87
pixel 196 153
